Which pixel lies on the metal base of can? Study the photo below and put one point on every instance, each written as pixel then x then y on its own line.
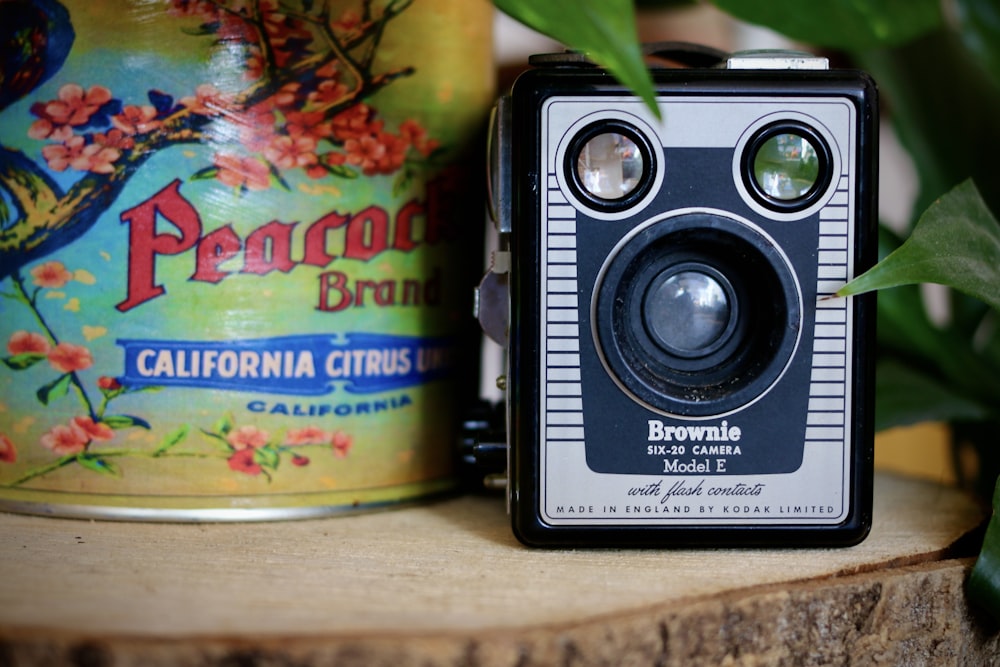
pixel 172 509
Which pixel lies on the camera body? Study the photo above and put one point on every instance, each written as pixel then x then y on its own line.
pixel 679 370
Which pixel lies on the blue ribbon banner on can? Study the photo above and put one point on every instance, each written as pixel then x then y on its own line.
pixel 308 365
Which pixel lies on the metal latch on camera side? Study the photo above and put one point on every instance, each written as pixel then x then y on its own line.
pixel 776 59
pixel 492 302
pixel 493 299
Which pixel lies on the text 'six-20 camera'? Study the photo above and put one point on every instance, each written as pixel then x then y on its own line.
pixel 679 371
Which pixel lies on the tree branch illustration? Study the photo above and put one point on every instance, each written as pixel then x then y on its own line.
pixel 47 218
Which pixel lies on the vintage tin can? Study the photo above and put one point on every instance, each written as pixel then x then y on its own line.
pixel 237 244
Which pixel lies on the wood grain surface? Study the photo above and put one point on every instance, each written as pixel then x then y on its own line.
pixel 445 583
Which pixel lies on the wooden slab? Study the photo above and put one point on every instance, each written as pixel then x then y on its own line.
pixel 446 583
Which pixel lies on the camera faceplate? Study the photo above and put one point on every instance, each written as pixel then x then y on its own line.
pixel 680 370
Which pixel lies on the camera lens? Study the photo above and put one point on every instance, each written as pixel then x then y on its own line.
pixel 689 311
pixel 696 314
pixel 610 165
pixel 787 166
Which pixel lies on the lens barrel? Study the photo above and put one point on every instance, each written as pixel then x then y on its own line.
pixel 696 314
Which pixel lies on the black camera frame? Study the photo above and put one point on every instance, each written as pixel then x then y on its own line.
pixel 581 80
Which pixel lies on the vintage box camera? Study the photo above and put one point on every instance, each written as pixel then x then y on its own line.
pixel 679 371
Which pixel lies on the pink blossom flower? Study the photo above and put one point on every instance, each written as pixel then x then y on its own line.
pixel 64 440
pixel 328 71
pixel 247 437
pixel 333 159
pixel 256 127
pixel 136 119
pixel 44 128
pixel 349 20
pixel 114 139
pixel 89 430
pixel 202 9
pixel 236 30
pixel 287 96
pixel 8 453
pixel 75 106
pixel 52 274
pixel 67 358
pixel 328 93
pixel 281 28
pixel 96 159
pixel 365 152
pixel 378 153
pixel 342 444
pixel 395 153
pixel 316 171
pixel 411 132
pixel 106 383
pixel 299 460
pixel 28 342
pixel 309 435
pixel 288 153
pixel 309 124
pixel 207 100
pixel 61 156
pixel 246 172
pixel 243 461
pixel 78 154
pixel 352 123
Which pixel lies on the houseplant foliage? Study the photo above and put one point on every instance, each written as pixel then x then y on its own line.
pixel 938 69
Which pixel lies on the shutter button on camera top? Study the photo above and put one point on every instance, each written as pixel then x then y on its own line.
pixel 698 56
pixel 776 59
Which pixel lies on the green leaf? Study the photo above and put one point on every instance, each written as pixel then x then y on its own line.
pixel 204 174
pixel 224 425
pixel 905 334
pixel 119 422
pixel 267 457
pixel 955 243
pixel 984 580
pixel 55 389
pixel 202 30
pixel 170 439
pixel 13 297
pixel 98 464
pixel 402 182
pixel 979 27
pixel 904 395
pixel 602 29
pixel 850 25
pixel 944 108
pixel 19 362
pixel 276 177
pixel 341 171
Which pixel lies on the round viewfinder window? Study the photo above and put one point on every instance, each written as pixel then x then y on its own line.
pixel 610 166
pixel 787 166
